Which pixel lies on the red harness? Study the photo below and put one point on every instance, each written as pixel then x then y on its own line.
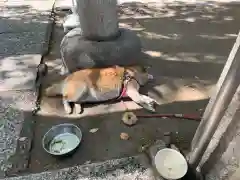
pixel 124 92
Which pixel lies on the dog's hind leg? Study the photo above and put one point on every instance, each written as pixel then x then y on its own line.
pixel 78 108
pixel 80 95
pixel 67 106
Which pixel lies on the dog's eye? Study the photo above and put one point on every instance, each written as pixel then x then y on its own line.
pixel 145 69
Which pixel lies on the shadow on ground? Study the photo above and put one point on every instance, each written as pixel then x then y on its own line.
pixel 186 45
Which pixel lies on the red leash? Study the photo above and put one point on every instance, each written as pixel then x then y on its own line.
pixel 182 116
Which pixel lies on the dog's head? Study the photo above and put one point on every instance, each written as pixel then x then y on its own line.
pixel 140 73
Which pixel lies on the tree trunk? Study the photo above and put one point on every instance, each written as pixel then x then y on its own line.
pixel 98 18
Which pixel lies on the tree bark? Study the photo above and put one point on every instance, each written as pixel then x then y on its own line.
pixel 98 18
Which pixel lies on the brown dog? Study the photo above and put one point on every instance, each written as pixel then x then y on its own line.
pixel 102 84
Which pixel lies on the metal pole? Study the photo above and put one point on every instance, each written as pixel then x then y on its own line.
pixel 213 117
pixel 202 124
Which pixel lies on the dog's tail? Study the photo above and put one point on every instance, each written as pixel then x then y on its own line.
pixel 54 90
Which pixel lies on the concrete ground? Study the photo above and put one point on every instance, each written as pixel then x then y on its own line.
pixel 186 45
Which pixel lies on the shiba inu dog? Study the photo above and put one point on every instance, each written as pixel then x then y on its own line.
pixel 102 84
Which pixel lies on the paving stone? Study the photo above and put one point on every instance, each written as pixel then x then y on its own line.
pixel 22 43
pixel 20 55
pixel 14 25
pixel 23 30
pixel 23 33
pixel 15 13
pixel 12 108
pixel 18 72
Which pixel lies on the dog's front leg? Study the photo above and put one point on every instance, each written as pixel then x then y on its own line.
pixel 133 93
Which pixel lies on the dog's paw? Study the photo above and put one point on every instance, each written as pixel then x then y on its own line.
pixel 149 100
pixel 148 106
pixel 148 103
